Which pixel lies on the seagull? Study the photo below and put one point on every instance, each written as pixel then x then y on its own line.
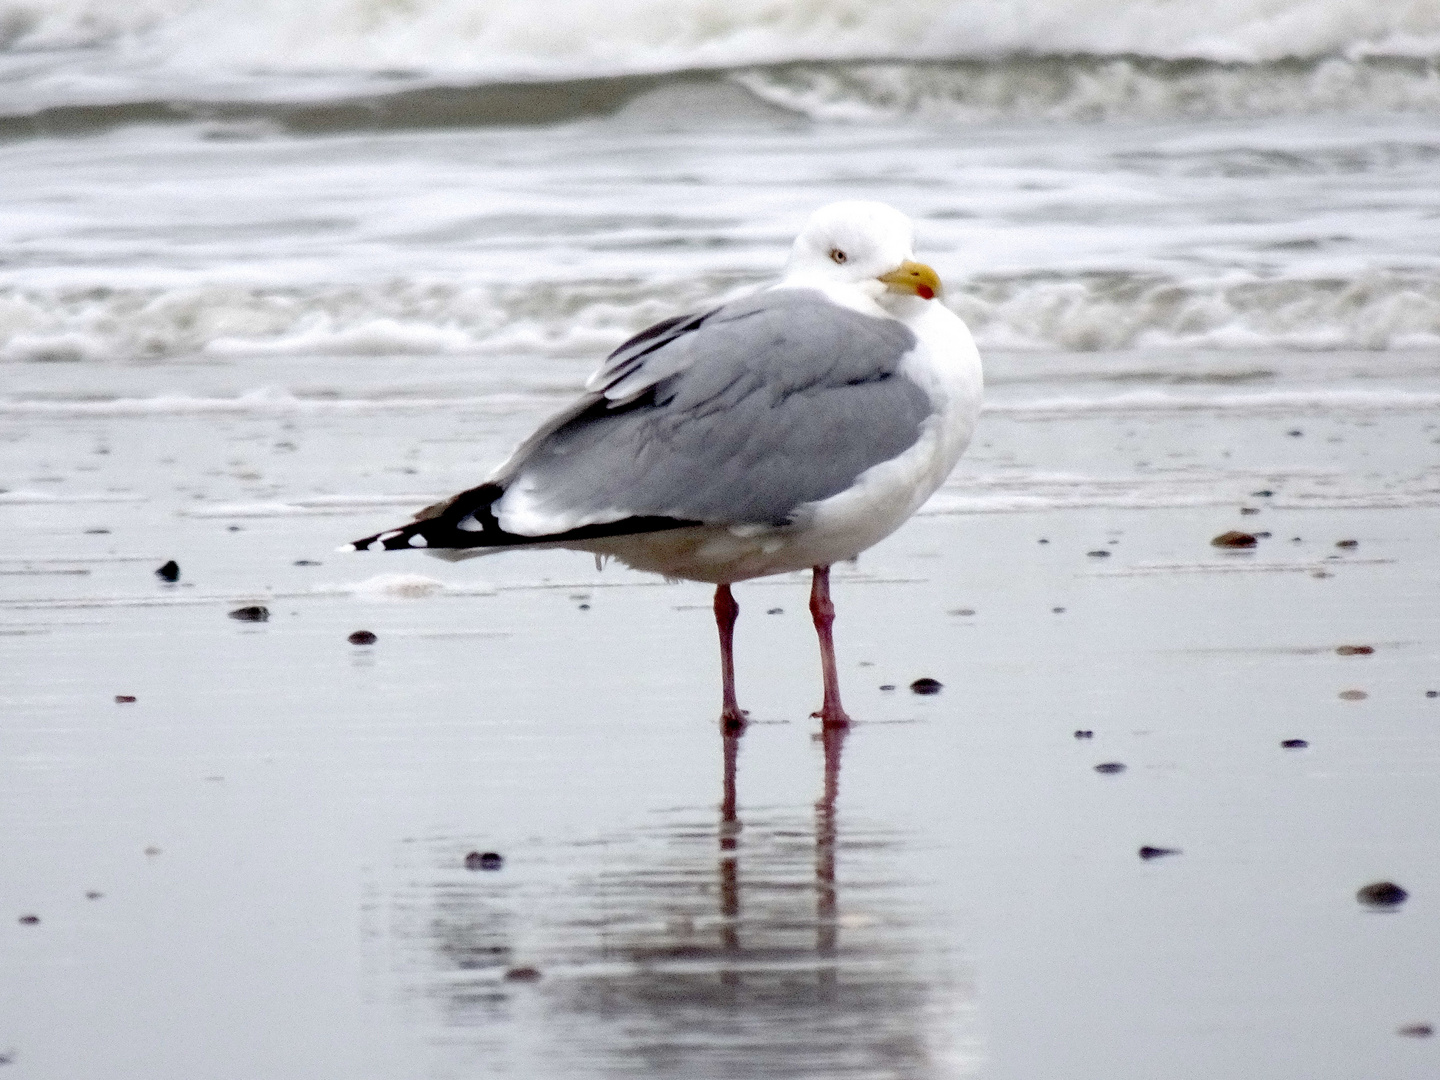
pixel 786 431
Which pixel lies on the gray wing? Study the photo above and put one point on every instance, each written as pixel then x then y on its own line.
pixel 737 416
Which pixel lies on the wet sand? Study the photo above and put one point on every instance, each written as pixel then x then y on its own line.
pixel 278 825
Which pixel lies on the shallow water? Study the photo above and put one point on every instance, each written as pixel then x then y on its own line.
pixel 952 891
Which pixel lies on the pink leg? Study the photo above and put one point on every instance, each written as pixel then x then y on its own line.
pixel 832 713
pixel 732 717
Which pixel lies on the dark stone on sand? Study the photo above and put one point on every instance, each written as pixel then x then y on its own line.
pixel 887 686
pixel 1354 650
pixel 1109 767
pixel 522 974
pixel 361 637
pixel 1382 894
pixel 152 850
pixel 1234 539
pixel 1294 744
pixel 1432 693
pixel 488 860
pixel 29 920
pixel 1295 433
pixel 93 895
pixel 1042 540
pixel 232 528
pixel 963 612
pixel 1058 610
pixel 1353 695
pixel 1416 1031
pixel 1264 494
pixel 124 699
pixel 254 613
pixel 775 611
pixel 1084 733
pixel 1249 509
pixel 1147 852
pixel 306 562
pixel 926 686
pixel 1347 543
pixel 169 572
pixel 1098 554
pixel 1262 536
pixel 584 607
pixel 97 532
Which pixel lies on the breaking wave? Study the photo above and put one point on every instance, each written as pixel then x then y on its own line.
pixel 335 64
pixel 1374 310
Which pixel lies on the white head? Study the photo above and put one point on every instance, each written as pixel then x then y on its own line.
pixel 865 244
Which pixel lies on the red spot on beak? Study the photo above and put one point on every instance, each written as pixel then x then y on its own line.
pixel 924 292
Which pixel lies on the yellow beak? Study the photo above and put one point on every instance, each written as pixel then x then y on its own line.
pixel 914 278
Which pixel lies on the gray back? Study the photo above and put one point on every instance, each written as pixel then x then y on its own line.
pixel 735 416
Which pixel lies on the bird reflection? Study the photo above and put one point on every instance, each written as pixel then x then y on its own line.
pixel 704 948
pixel 827 931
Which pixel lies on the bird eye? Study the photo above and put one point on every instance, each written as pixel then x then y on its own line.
pixel 838 255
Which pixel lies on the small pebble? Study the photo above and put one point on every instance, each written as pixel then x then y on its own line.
pixel 887 686
pixel 1110 767
pixel 255 613
pixel 124 699
pixel 962 611
pixel 775 611
pixel 926 686
pixel 1249 509
pixel 1432 693
pixel 232 528
pixel 1416 1031
pixel 1353 695
pixel 93 895
pixel 1262 494
pixel 1084 733
pixel 1382 894
pixel 1042 540
pixel 490 860
pixel 1058 610
pixel 1295 433
pixel 1098 554
pixel 361 637
pixel 306 562
pixel 1347 543
pixel 1262 536
pixel 1294 744
pixel 1355 650
pixel 522 974
pixel 584 607
pixel 152 850
pixel 29 920
pixel 97 532
pixel 1234 539
pixel 1147 852
pixel 169 572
